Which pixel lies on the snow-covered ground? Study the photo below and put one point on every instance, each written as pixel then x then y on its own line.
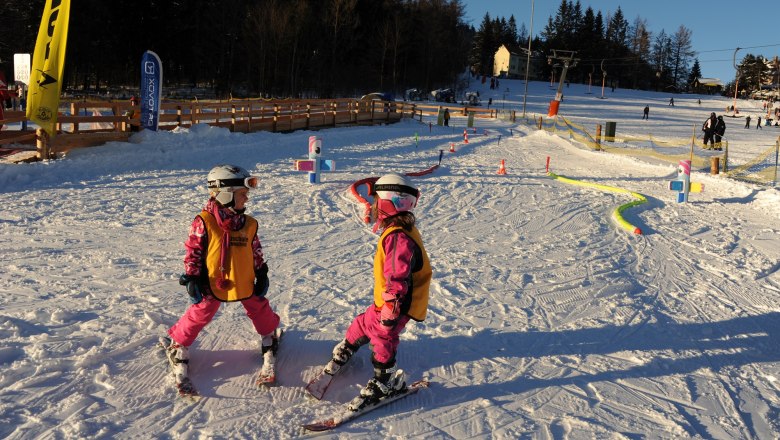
pixel 546 320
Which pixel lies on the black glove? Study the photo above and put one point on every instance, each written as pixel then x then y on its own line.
pixel 193 288
pixel 261 281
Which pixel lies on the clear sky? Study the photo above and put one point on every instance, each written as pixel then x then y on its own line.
pixel 718 26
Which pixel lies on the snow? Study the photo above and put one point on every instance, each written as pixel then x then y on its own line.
pixel 546 320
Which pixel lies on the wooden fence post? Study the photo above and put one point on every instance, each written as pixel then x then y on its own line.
pixel 232 117
pixel 598 135
pixel 42 143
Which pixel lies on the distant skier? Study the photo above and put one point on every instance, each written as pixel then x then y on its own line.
pixel 402 277
pixel 671 102
pixel 747 121
pixel 646 114
pixel 758 124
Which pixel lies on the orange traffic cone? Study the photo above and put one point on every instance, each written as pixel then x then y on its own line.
pixel 465 136
pixel 452 147
pixel 501 168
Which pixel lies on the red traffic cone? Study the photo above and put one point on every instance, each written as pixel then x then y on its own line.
pixel 465 136
pixel 501 168
pixel 452 147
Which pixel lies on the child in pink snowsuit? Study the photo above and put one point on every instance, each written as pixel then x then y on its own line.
pixel 402 276
pixel 224 263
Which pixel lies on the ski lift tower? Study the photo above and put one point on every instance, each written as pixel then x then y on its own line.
pixel 567 58
pixel 736 84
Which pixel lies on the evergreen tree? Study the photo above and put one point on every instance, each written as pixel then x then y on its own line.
pixel 695 73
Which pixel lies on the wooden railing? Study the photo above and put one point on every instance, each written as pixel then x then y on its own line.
pixel 95 123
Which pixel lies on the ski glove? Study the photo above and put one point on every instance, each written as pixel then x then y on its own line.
pixel 261 281
pixel 193 288
pixel 388 316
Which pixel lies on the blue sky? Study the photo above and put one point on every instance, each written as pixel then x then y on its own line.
pixel 718 27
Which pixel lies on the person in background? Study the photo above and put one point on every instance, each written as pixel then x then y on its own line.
pixel 446 117
pixel 671 102
pixel 709 130
pixel 134 113
pixel 21 95
pixel 747 121
pixel 646 114
pixel 758 124
pixel 720 130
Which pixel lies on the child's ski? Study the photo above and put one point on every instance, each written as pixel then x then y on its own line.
pixel 184 386
pixel 267 374
pixel 319 385
pixel 345 415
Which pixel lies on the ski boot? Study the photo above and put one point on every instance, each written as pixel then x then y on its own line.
pixel 179 357
pixel 385 383
pixel 270 346
pixel 342 352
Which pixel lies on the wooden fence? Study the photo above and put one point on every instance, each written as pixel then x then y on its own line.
pixel 95 123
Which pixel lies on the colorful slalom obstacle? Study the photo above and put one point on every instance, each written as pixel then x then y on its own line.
pixel 315 164
pixel 683 184
pixel 369 181
pixel 617 213
pixel 501 168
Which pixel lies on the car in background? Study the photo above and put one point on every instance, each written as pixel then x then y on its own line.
pixel 413 95
pixel 472 98
pixel 443 95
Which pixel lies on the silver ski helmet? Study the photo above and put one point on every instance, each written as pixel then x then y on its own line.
pixel 394 194
pixel 224 179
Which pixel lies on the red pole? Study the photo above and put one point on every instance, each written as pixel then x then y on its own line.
pixel 547 168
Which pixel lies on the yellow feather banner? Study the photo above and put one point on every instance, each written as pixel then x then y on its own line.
pixel 43 96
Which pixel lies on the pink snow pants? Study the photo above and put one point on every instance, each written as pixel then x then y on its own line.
pixel 199 315
pixel 384 340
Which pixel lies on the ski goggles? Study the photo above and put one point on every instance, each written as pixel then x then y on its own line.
pixel 394 187
pixel 250 182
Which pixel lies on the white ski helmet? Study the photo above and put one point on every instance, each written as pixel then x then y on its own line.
pixel 394 194
pixel 224 179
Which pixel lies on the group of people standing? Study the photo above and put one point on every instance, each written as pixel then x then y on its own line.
pixel 758 122
pixel 714 128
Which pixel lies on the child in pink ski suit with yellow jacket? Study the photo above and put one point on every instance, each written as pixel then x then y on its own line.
pixel 224 263
pixel 402 276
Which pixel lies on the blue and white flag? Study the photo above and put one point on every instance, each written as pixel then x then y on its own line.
pixel 151 90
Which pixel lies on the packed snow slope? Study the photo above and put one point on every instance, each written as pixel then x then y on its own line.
pixel 546 320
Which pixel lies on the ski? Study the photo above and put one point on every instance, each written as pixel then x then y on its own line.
pixel 319 385
pixel 345 415
pixel 267 375
pixel 184 386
